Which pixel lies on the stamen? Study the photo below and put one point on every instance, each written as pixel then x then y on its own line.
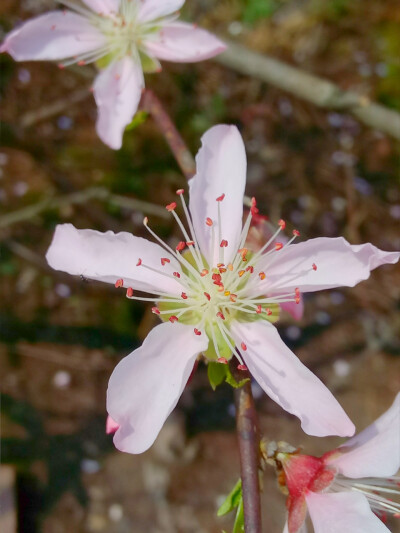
pixel 139 262
pixel 282 224
pixel 129 292
pixel 222 360
pixel 173 319
pixel 209 222
pixel 242 367
pixel 119 283
pixel 278 246
pixel 171 207
pixel 314 266
pixel 261 275
pixel 184 295
pixel 165 260
pixel 196 331
pixel 180 246
pixel 155 310
pixel 220 198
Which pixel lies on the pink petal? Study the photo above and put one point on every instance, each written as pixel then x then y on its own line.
pixel 105 7
pixel 155 9
pixel 294 309
pixel 302 529
pixel 54 35
pixel 375 452
pixel 112 256
pixel 117 91
pixel 343 512
pixel 111 425
pixel 338 264
pixel 146 385
pixel 221 169
pixel 288 382
pixel 184 43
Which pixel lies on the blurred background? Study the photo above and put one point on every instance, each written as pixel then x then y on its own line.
pixel 60 337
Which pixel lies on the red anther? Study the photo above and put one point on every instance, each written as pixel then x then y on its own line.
pixel 259 309
pixel 119 283
pixel 81 63
pixel 139 262
pixel 216 277
pixel 173 319
pixel 170 207
pixel 176 274
pixel 314 266
pixel 230 267
pixel 233 297
pixel 243 346
pixel 220 315
pixel 261 275
pixel 184 295
pixel 241 272
pixel 196 331
pixel 250 269
pixel 209 222
pixel 224 243
pixel 254 210
pixel 145 221
pixel 129 292
pixel 243 253
pixel 297 299
pixel 253 201
pixel 258 219
pixel 297 291
pixel 220 265
pixel 155 310
pixel 220 198
pixel 242 367
pixel 282 224
pixel 204 272
pixel 190 243
pixel 222 270
pixel 278 246
pixel 165 260
pixel 268 311
pixel 180 246
pixel 207 296
pixel 296 233
pixel 222 360
pixel 179 192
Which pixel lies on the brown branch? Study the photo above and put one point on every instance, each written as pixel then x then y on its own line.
pixel 80 197
pixel 249 451
pixel 184 158
pixel 318 91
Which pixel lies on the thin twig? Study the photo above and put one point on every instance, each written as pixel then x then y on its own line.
pixel 318 91
pixel 249 451
pixel 184 158
pixel 80 197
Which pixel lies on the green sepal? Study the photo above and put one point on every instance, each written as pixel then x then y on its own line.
pixel 232 381
pixel 238 526
pixel 232 501
pixel 216 373
pixel 138 119
pixel 149 64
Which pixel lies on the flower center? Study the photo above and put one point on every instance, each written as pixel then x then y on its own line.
pixel 214 296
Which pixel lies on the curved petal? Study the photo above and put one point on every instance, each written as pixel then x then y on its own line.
pixel 221 169
pixel 104 7
pixel 294 309
pixel 343 512
pixel 288 382
pixel 117 91
pixel 155 9
pixel 375 452
pixel 146 385
pixel 111 256
pixel 54 35
pixel 338 264
pixel 111 425
pixel 184 43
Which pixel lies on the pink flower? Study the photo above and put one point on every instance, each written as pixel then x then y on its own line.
pixel 345 487
pixel 215 297
pixel 125 38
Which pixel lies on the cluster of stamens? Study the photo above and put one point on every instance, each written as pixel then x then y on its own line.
pixel 214 295
pixel 123 32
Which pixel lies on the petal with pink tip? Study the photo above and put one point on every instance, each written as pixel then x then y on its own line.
pixel 104 7
pixel 294 309
pixel 288 382
pixel 375 451
pixel 343 512
pixel 117 91
pixel 54 35
pixel 111 425
pixel 146 385
pixel 337 262
pixel 111 256
pixel 184 43
pixel 155 9
pixel 221 169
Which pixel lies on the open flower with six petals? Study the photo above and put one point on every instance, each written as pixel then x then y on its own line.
pixel 215 297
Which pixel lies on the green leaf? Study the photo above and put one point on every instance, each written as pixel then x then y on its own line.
pixel 232 500
pixel 138 119
pixel 232 381
pixel 216 373
pixel 238 526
